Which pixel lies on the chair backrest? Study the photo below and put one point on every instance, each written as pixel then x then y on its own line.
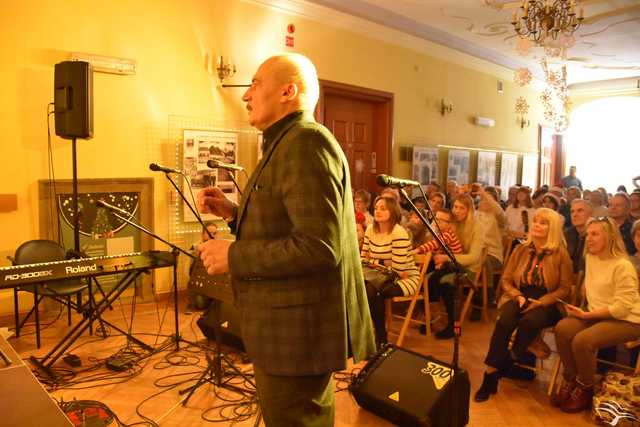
pixel 422 261
pixel 36 251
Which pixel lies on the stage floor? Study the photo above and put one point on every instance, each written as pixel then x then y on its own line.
pixel 517 403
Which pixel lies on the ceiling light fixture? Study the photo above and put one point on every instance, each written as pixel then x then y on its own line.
pixel 540 20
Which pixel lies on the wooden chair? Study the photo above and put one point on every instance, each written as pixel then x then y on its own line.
pixel 422 262
pixel 479 283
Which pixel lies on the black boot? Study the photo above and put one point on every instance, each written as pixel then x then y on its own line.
pixel 446 333
pixel 489 386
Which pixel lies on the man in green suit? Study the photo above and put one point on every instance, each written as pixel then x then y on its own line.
pixel 294 265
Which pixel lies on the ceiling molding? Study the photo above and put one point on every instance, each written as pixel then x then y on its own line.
pixel 450 48
pixel 614 87
pixel 423 31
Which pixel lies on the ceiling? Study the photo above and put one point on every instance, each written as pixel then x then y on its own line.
pixel 606 46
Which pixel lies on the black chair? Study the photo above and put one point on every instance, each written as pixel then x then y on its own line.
pixel 41 251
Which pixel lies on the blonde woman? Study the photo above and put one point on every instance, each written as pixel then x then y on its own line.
pixel 470 233
pixel 538 273
pixel 612 316
pixel 387 243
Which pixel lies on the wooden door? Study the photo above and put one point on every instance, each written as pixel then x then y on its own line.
pixel 360 119
pixel 351 122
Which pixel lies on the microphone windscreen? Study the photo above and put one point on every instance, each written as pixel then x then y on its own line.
pixel 212 163
pixel 382 180
pixel 154 167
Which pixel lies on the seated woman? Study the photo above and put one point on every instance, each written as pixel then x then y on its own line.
pixel 388 243
pixel 635 235
pixel 612 316
pixel 538 273
pixel 470 233
pixel 518 215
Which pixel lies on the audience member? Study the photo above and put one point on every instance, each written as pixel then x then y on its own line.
pixel 432 187
pixel 437 201
pixel 518 215
pixel 537 274
pixel 416 228
pixel 490 215
pixel 448 234
pixel 619 207
pixel 581 211
pixel 612 316
pixel 597 201
pixel 386 242
pixel 635 233
pixel 551 201
pixel 470 233
pixel 452 192
pixel 511 196
pixel 571 180
pixel 362 203
pixel 634 198
pixel 622 189
pixel 537 197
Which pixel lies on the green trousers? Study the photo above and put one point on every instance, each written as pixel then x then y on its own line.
pixel 301 401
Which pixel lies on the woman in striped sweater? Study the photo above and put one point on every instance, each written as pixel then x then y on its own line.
pixel 387 243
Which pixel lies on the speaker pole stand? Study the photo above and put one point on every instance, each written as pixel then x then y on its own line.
pixel 76 218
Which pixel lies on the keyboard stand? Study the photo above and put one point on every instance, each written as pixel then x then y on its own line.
pixel 45 363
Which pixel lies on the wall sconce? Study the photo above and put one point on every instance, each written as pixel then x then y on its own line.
pixel 225 68
pixel 446 107
pixel 523 122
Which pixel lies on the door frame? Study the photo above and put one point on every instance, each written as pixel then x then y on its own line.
pixel 382 135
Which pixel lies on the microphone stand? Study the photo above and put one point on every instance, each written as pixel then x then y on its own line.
pixel 214 373
pixel 460 376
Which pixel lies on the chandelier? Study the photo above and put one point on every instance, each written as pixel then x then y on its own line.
pixel 540 19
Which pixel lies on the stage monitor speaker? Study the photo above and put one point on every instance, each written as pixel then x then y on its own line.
pixel 23 400
pixel 228 317
pixel 73 99
pixel 410 389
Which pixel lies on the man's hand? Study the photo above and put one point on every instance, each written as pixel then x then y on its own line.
pixel 214 254
pixel 213 200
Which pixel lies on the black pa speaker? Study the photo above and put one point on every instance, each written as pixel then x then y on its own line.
pixel 73 99
pixel 228 317
pixel 410 389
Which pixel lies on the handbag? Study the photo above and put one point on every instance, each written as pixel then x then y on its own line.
pixel 377 276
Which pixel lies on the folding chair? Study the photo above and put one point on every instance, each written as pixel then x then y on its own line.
pixel 480 281
pixel 422 262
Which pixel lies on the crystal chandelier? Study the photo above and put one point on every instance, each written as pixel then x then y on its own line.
pixel 540 19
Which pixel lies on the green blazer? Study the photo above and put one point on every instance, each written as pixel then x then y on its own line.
pixel 295 265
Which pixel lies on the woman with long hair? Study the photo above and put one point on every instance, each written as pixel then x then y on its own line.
pixel 518 215
pixel 538 273
pixel 387 243
pixel 612 316
pixel 441 282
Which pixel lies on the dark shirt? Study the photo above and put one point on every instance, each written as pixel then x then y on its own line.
pixel 575 247
pixel 565 211
pixel 569 181
pixel 625 230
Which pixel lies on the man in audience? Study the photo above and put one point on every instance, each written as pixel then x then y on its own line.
pixel 571 179
pixel 295 266
pixel 581 211
pixel 433 187
pixel 597 201
pixel 619 207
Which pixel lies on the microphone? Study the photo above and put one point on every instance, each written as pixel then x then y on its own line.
pixel 159 168
pixel 213 164
pixel 390 181
pixel 116 209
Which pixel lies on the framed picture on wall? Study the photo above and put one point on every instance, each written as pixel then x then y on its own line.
pixel 486 168
pixel 458 166
pixel 200 146
pixel 425 165
pixel 508 172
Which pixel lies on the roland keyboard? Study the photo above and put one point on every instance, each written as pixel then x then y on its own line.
pixel 17 275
